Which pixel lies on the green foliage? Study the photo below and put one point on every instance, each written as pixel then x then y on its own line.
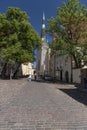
pixel 17 36
pixel 70 25
pixel 52 25
pixel 16 14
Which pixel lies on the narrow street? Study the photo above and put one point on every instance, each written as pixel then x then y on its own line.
pixel 41 106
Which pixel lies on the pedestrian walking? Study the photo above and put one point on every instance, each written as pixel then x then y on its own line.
pixel 29 77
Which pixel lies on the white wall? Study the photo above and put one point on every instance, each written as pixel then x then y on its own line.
pixel 64 63
pixel 77 75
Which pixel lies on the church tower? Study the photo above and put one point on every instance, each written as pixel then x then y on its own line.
pixel 42 53
pixel 43 29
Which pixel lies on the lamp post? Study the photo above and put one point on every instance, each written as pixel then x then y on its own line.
pixel 61 72
pixel 71 71
pixel 54 66
pixel 70 37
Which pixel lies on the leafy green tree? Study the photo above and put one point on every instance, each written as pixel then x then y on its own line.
pixel 18 39
pixel 70 25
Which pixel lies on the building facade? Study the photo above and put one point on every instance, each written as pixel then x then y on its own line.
pixel 62 68
pixel 42 54
pixel 27 68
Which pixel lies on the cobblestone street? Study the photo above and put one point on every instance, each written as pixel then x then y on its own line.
pixel 41 106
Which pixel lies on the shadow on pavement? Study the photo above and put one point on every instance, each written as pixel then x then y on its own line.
pixel 76 94
pixel 42 81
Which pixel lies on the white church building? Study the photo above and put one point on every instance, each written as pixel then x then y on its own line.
pixel 42 66
pixel 57 66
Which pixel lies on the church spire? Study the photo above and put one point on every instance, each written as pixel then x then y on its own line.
pixel 43 17
pixel 43 34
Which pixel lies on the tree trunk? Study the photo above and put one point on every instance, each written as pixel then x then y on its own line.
pixel 76 61
pixel 11 74
pixel 4 71
pixel 16 71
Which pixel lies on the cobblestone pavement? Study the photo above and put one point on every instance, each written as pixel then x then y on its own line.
pixel 41 106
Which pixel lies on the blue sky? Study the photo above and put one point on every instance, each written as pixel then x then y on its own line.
pixel 35 9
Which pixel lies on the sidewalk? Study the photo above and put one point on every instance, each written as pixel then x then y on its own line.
pixel 7 89
pixel 71 85
pixel 44 106
pixel 73 91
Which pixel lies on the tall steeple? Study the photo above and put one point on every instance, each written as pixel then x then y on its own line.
pixel 43 29
pixel 42 62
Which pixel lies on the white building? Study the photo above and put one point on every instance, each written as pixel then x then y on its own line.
pixel 42 54
pixel 64 69
pixel 27 68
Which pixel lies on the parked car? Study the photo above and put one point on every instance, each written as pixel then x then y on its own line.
pixel 47 77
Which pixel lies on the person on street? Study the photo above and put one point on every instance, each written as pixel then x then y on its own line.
pixel 29 77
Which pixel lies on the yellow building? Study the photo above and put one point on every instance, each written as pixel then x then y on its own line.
pixel 27 68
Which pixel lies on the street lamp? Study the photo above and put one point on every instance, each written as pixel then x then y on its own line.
pixel 70 37
pixel 71 71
